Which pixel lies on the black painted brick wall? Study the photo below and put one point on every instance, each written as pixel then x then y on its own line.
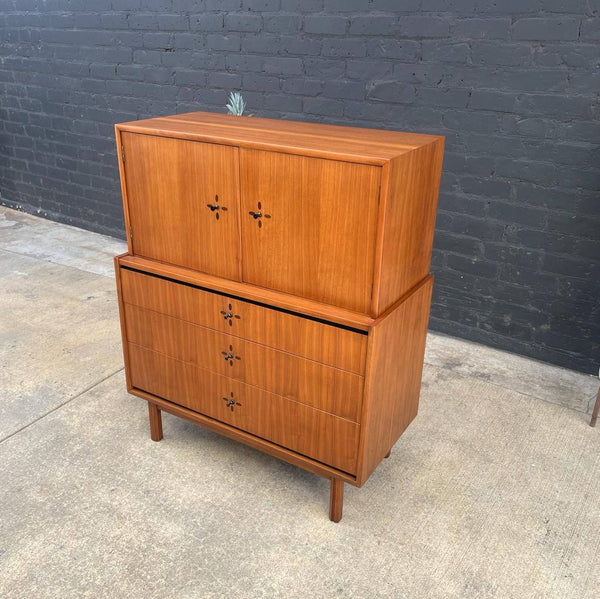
pixel 513 84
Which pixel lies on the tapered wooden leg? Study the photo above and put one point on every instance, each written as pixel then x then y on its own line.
pixel 336 499
pixel 595 412
pixel 156 433
pixel 388 454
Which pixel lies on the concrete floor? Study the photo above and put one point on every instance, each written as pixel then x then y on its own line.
pixel 494 491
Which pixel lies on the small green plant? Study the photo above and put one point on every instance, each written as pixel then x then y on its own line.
pixel 236 104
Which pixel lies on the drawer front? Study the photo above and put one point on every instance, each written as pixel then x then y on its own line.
pixel 310 432
pixel 330 344
pixel 324 387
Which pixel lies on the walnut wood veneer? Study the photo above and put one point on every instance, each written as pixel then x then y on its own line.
pixel 276 287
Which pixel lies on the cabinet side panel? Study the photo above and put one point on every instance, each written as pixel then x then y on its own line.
pixel 410 209
pixel 393 377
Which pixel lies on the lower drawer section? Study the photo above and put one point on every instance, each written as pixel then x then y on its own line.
pixel 313 433
pixel 317 385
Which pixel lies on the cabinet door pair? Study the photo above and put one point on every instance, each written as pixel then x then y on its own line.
pixel 297 224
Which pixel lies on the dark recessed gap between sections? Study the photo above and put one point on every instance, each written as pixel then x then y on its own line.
pixel 248 301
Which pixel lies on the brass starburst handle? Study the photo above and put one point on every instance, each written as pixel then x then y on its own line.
pixel 258 214
pixel 216 207
pixel 228 315
pixel 230 402
pixel 229 356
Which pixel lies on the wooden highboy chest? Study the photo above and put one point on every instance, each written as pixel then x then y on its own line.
pixel 276 287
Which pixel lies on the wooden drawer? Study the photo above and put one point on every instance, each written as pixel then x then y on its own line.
pixel 296 426
pixel 334 345
pixel 318 385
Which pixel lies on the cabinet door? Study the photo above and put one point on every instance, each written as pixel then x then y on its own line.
pixel 309 226
pixel 182 198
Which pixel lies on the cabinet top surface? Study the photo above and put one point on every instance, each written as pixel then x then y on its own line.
pixel 375 146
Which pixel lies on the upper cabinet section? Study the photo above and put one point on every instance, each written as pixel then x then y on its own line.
pixel 340 215
pixel 309 226
pixel 182 202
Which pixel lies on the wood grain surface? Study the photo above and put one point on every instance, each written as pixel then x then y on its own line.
pixel 306 381
pixel 293 425
pixel 307 338
pixel 409 203
pixel 393 377
pixel 353 144
pixel 282 453
pixel 255 293
pixel 170 186
pixel 319 238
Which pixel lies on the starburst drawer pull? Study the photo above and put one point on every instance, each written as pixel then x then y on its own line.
pixel 229 315
pixel 229 356
pixel 230 402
